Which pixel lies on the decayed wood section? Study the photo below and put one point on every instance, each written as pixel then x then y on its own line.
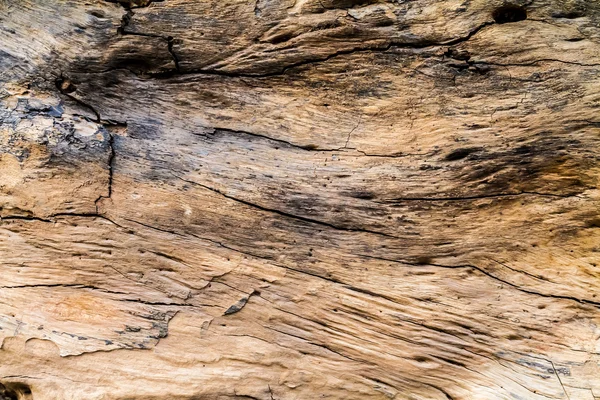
pixel 300 199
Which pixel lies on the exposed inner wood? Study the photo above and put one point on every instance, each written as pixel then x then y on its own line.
pixel 300 199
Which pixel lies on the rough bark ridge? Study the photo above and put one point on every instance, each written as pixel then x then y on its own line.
pixel 300 199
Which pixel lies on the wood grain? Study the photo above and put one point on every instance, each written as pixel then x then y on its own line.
pixel 310 199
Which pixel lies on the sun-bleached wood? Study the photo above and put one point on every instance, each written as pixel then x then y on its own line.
pixel 300 199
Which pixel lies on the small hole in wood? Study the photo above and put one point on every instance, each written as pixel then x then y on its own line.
pixel 6 394
pixel 509 13
pixel 65 85
pixel 15 391
pixel 97 14
pixel 459 154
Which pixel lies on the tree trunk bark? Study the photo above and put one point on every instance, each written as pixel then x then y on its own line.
pixel 300 199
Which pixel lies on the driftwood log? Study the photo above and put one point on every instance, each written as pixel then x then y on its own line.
pixel 300 199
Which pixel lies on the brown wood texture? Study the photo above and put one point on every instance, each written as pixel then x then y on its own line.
pixel 300 199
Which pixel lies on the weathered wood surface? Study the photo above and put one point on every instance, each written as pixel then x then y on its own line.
pixel 310 199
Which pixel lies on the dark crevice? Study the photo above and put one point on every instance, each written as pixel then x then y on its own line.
pixel 67 87
pixel 284 142
pixel 110 162
pixel 64 285
pixel 351 132
pixel 42 285
pixel 48 220
pixel 533 292
pixel 271 392
pixel 156 303
pixel 170 42
pixel 133 4
pixel 63 83
pixel 237 307
pixel 489 275
pixel 591 123
pixel 15 391
pixel 126 20
pixel 460 154
pixel 257 9
pixel 465 38
pixel 518 271
pixel 382 48
pixel 309 148
pixel 509 13
pixel 441 390
pixel 85 105
pixel 285 214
